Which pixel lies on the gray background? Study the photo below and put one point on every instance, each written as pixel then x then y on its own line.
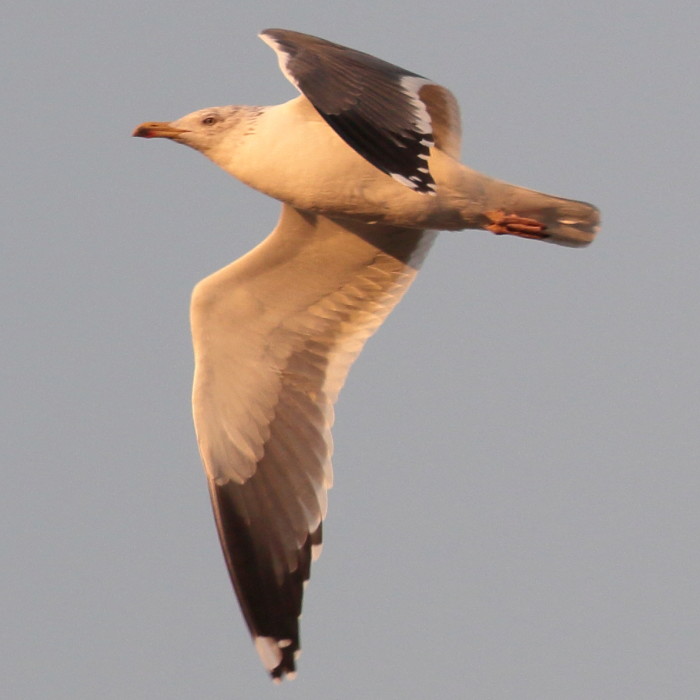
pixel 515 512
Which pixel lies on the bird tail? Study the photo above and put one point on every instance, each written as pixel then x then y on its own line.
pixel 532 214
pixel 503 208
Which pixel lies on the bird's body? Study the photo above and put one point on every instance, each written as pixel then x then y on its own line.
pixel 365 163
pixel 288 152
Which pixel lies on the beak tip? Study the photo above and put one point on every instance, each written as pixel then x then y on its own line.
pixel 154 130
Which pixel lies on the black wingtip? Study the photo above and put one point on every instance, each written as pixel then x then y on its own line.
pixel 287 668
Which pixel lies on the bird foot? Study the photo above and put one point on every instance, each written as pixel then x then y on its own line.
pixel 515 225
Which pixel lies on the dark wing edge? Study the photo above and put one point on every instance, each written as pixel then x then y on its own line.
pixel 270 602
pixel 270 526
pixel 391 116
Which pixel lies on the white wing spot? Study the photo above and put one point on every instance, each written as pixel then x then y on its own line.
pixel 268 651
pixel 404 180
pixel 414 185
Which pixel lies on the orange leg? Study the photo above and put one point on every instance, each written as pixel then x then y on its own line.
pixel 515 225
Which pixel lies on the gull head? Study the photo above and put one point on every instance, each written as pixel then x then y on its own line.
pixel 203 130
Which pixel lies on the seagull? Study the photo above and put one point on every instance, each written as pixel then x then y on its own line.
pixel 366 164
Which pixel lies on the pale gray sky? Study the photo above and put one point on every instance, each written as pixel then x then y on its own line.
pixel 515 514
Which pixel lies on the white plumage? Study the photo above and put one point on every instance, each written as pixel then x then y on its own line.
pixel 365 163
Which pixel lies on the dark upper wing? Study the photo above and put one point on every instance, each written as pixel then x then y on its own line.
pixel 379 109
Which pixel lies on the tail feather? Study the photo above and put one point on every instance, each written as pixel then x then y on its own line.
pixel 487 203
pixel 566 222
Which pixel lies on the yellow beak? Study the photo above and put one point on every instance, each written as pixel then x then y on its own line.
pixel 158 130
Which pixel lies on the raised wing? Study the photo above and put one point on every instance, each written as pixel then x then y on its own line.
pixel 381 110
pixel 274 336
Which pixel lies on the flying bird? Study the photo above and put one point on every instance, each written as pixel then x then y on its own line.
pixel 365 163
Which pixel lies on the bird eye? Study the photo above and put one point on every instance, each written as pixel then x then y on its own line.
pixel 208 121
